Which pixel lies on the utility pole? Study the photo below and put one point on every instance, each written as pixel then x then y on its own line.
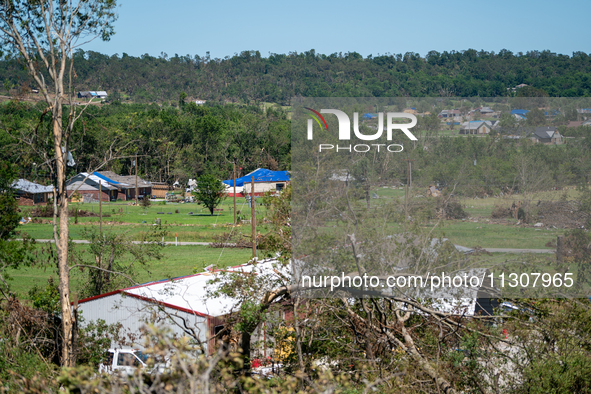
pixel 253 220
pixel 136 200
pixel 407 186
pixel 234 175
pixel 100 206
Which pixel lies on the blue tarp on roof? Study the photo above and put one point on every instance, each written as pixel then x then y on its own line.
pixel 104 178
pixel 522 112
pixel 260 175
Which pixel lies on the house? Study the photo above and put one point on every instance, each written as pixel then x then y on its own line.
pixel 574 123
pixel 200 102
pixel 369 116
pixel 180 304
pixel 449 113
pixel 159 189
pixel 476 127
pixel 264 180
pixel 114 187
pixel 483 111
pixel 92 94
pixel 31 193
pixel 547 135
pixel 519 114
pixel 91 188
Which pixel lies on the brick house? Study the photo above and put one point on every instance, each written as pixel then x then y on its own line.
pixel 31 193
pixel 113 187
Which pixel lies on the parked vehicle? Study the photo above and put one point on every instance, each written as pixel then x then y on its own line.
pixel 127 361
pixel 124 361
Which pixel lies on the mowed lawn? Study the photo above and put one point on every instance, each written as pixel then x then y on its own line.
pixel 177 261
pixel 486 235
pixel 191 222
pixel 477 229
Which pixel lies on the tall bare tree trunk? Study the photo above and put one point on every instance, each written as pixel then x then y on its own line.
pixel 62 244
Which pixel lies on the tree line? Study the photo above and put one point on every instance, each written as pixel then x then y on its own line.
pixel 250 77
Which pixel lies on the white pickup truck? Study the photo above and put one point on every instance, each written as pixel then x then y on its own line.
pixel 124 361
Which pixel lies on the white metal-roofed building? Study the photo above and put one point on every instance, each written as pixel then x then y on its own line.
pixel 181 304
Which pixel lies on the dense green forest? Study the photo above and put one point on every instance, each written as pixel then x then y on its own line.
pixel 248 76
pixel 171 143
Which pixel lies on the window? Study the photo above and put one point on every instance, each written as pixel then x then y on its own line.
pixel 128 360
pixel 108 359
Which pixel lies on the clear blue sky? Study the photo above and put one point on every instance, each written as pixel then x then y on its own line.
pixel 227 27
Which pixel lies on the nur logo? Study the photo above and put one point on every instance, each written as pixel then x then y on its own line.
pixel 345 129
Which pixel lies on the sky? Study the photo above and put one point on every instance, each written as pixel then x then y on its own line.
pixel 228 27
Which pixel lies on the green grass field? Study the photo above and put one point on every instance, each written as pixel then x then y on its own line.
pixel 192 223
pixel 177 261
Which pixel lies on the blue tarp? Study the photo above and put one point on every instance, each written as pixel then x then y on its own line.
pixel 522 112
pixel 104 178
pixel 260 175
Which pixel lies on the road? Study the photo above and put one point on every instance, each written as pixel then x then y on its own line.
pixel 506 250
pixel 491 250
pixel 85 241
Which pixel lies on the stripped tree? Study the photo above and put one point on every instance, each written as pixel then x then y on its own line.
pixel 43 34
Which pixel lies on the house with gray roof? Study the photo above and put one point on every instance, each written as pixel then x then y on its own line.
pixel 476 127
pixel 92 94
pixel 31 193
pixel 112 186
pixel 547 135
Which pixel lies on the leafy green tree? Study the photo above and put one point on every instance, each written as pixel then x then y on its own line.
pixel 9 215
pixel 113 260
pixel 182 97
pixel 12 253
pixel 210 192
pixel 535 117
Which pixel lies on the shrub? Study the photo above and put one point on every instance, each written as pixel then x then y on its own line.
pixel 500 212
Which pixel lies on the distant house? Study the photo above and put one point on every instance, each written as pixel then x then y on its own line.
pixel 520 114
pixel 90 188
pixel 200 102
pixel 113 186
pixel 574 123
pixel 92 94
pixel 476 127
pixel 449 113
pixel 547 135
pixel 483 110
pixel 264 181
pixel 159 189
pixel 31 193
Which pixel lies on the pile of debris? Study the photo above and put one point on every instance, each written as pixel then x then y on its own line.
pixel 46 211
pixel 561 214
